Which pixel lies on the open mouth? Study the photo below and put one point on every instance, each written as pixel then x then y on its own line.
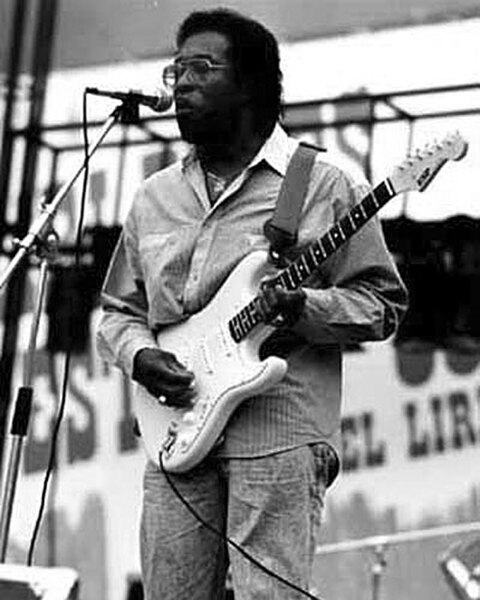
pixel 184 110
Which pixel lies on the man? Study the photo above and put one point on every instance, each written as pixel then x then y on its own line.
pixel 263 484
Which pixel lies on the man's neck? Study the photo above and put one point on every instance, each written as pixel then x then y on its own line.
pixel 229 159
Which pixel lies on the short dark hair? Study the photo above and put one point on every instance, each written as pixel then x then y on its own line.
pixel 254 54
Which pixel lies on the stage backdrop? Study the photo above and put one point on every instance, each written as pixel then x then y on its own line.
pixel 411 426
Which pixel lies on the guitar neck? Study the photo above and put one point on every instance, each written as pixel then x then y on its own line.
pixel 310 259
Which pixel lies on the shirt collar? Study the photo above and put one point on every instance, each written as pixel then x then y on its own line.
pixel 276 151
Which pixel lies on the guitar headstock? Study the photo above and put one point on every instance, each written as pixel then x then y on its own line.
pixel 418 170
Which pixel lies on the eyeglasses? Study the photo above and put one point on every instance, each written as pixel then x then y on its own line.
pixel 199 68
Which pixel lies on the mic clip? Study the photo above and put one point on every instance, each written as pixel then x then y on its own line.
pixel 129 112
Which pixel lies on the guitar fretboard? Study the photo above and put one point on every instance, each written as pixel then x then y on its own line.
pixel 309 260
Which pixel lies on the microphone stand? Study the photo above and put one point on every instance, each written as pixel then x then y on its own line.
pixel 41 239
pixel 377 570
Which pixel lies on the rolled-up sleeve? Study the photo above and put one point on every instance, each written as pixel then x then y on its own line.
pixel 360 295
pixel 123 328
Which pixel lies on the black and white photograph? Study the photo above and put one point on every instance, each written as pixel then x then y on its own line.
pixel 239 300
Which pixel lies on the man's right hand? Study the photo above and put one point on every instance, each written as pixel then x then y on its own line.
pixel 164 377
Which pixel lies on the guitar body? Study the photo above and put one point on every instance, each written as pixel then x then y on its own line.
pixel 226 373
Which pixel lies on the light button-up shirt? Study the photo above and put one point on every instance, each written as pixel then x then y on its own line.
pixel 177 250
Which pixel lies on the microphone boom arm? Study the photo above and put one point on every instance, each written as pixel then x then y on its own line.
pixel 159 103
pixel 40 228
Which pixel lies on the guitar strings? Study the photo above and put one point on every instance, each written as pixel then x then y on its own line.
pixel 229 541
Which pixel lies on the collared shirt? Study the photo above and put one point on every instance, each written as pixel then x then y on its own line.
pixel 177 250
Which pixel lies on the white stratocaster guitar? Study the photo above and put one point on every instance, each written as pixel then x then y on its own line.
pixel 220 344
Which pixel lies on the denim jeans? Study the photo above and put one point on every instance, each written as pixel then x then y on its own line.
pixel 270 506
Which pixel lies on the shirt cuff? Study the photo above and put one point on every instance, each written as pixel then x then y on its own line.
pixel 130 350
pixel 313 322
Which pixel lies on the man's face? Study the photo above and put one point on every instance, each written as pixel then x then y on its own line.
pixel 207 106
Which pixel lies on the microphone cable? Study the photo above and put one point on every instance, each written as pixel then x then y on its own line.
pixel 229 541
pixel 66 369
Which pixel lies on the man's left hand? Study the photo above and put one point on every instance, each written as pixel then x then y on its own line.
pixel 280 307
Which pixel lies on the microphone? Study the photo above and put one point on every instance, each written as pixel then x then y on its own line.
pixel 159 103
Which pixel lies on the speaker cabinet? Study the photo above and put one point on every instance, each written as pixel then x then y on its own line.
pixel 18 582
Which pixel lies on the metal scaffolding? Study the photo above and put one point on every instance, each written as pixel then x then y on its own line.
pixel 309 120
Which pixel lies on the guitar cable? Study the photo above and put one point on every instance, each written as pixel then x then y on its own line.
pixel 228 540
pixel 52 456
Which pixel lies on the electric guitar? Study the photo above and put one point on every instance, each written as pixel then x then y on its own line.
pixel 220 344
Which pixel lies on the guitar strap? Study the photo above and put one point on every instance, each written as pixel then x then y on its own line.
pixel 282 229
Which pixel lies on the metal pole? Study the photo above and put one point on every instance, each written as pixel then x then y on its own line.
pixel 14 64
pixel 36 239
pixel 378 568
pixel 14 59
pixel 21 417
pixel 397 538
pixel 40 65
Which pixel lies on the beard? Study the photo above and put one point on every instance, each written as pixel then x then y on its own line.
pixel 214 130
